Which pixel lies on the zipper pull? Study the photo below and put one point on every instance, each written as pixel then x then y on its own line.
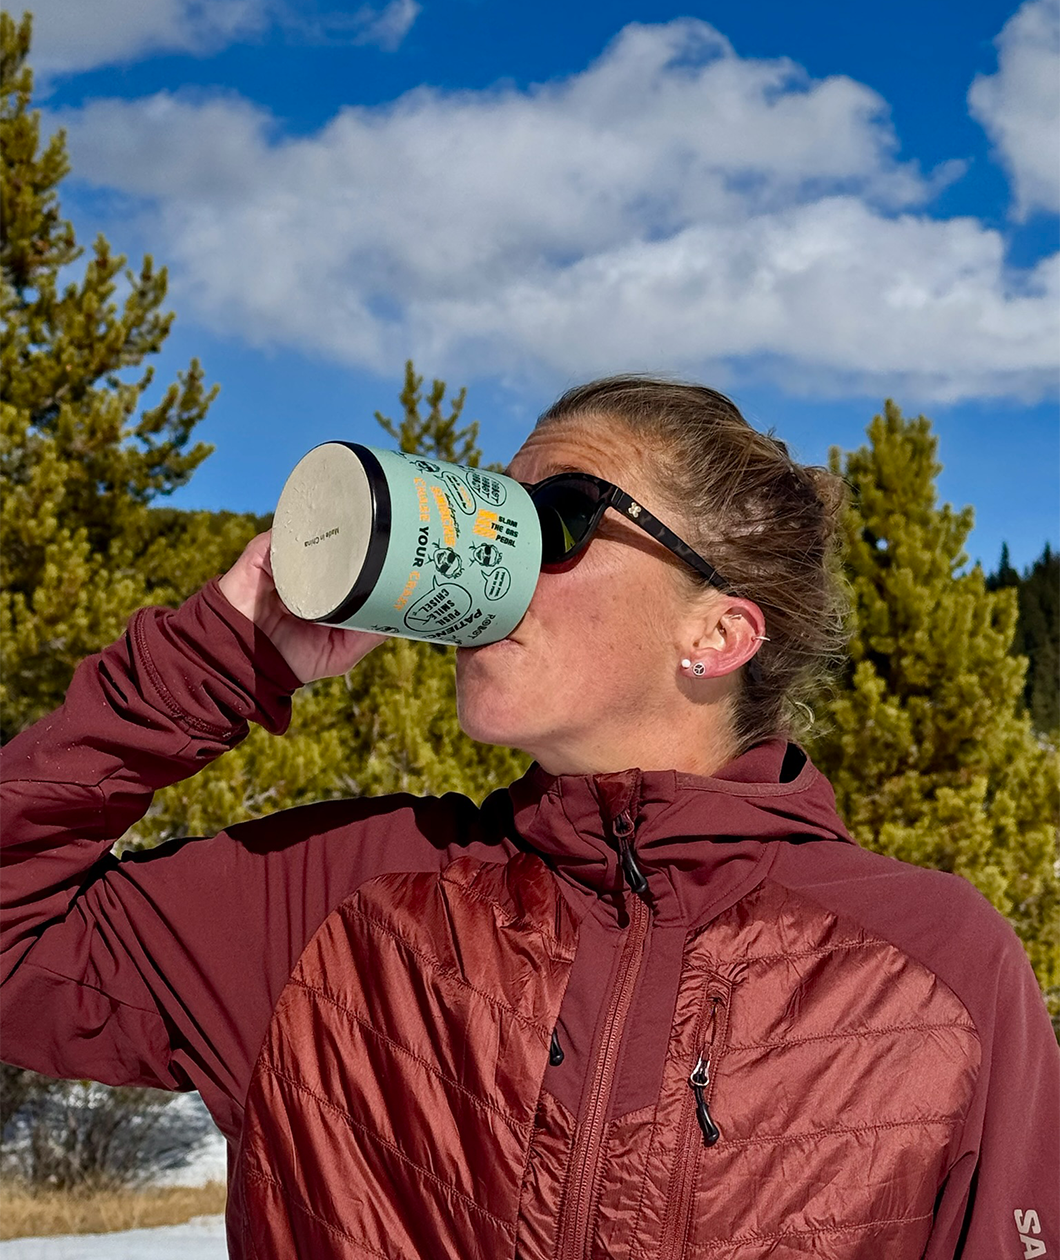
pixel 699 1080
pixel 555 1050
pixel 623 829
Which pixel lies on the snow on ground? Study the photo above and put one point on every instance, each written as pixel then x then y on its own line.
pixel 200 1239
pixel 209 1160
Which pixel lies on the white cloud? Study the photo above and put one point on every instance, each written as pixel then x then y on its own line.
pixel 76 36
pixel 672 206
pixel 840 296
pixel 1020 105
pixel 388 26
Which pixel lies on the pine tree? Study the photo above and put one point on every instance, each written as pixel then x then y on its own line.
pixel 926 739
pixel 435 434
pixel 1037 633
pixel 79 466
pixel 83 469
pixel 1006 575
pixel 1038 638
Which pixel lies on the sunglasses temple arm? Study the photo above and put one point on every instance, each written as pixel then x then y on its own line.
pixel 640 515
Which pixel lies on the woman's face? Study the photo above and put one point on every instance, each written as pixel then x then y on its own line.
pixel 590 678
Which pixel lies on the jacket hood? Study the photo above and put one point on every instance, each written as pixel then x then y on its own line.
pixel 692 837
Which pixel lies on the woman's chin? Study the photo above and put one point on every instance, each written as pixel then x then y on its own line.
pixel 493 703
pixel 485 728
pixel 485 718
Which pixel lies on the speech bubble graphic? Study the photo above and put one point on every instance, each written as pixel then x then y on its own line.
pixel 461 496
pixel 498 583
pixel 489 489
pixel 439 610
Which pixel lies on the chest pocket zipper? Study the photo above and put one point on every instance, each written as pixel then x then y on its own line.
pixel 699 1078
pixel 700 1082
pixel 677 1219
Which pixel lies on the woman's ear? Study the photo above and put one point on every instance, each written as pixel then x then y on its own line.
pixel 733 632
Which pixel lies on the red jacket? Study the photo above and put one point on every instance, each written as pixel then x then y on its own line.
pixel 432 1029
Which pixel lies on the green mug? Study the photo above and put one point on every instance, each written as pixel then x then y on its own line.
pixel 370 539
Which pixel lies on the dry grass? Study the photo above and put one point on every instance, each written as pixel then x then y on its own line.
pixel 25 1215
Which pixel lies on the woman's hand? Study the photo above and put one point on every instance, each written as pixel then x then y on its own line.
pixel 312 650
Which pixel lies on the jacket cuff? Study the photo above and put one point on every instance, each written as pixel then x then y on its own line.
pixel 212 668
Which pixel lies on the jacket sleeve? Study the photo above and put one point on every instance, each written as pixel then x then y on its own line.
pixel 1001 1200
pixel 85 939
pixel 163 968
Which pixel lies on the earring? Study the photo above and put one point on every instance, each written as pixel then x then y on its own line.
pixel 763 638
pixel 686 664
pixel 699 669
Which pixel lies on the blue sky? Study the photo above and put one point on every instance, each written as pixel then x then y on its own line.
pixel 812 207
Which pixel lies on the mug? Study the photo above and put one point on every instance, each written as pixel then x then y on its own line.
pixel 398 544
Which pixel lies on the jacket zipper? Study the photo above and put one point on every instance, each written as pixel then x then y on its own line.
pixel 699 1079
pixel 677 1217
pixel 575 1226
pixel 623 829
pixel 555 1050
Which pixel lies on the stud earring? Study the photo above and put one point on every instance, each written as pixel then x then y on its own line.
pixel 699 669
pixel 686 664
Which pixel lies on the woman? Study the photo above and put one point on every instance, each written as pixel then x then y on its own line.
pixel 650 1001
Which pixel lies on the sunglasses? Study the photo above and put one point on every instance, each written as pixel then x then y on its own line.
pixel 571 507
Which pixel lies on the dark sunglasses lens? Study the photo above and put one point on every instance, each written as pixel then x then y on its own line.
pixel 566 511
